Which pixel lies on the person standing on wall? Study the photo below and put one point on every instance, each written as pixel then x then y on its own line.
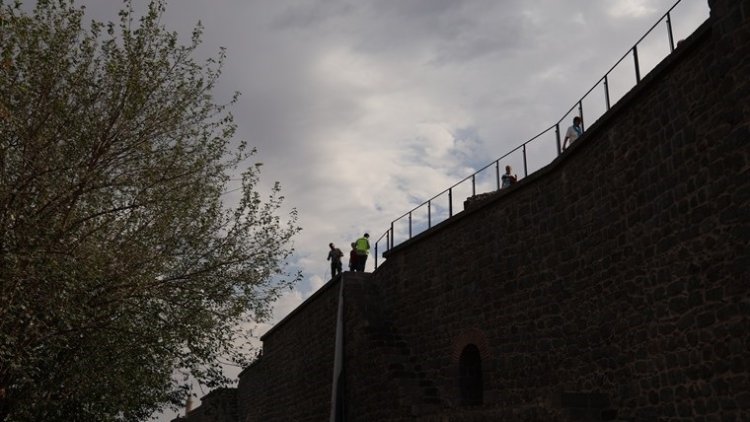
pixel 353 258
pixel 363 249
pixel 574 132
pixel 508 179
pixel 335 255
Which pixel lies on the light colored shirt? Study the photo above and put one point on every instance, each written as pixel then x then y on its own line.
pixel 573 133
pixel 507 180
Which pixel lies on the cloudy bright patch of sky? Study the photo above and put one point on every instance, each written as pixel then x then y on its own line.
pixel 363 109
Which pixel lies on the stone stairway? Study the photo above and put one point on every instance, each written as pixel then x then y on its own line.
pixel 401 369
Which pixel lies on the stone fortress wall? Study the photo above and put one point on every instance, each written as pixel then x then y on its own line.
pixel 613 284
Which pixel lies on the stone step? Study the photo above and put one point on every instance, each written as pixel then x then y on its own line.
pixel 403 369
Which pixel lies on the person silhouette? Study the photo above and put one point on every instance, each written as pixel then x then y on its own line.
pixel 335 255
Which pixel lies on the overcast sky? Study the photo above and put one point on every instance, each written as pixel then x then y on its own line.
pixel 362 109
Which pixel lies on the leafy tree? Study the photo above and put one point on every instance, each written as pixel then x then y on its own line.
pixel 120 264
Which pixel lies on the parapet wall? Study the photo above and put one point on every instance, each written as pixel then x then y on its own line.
pixel 291 381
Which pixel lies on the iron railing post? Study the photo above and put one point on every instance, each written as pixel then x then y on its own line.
pixel 580 114
pixel 525 168
pixel 669 29
pixel 409 224
pixel 557 132
pixel 429 214
pixel 376 255
pixel 606 91
pixel 497 173
pixel 637 67
pixel 393 236
pixel 450 202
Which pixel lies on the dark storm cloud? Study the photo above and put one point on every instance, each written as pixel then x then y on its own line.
pixel 311 15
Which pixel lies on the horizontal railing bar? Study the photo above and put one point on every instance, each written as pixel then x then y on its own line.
pixel 657 23
pixel 507 154
pixel 624 56
pixel 476 172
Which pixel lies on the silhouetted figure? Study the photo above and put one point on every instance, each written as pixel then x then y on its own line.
pixel 335 255
pixel 574 132
pixel 508 179
pixel 353 257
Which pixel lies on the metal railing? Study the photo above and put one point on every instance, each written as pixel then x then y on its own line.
pixel 431 205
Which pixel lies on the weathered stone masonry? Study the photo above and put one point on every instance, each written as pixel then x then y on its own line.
pixel 614 284
pixel 292 379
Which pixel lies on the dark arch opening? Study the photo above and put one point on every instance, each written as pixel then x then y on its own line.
pixel 470 376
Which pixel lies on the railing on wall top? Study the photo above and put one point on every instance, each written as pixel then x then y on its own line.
pixel 604 81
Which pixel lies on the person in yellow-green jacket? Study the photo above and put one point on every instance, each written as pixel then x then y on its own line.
pixel 362 246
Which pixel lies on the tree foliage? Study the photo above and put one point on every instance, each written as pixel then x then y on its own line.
pixel 119 261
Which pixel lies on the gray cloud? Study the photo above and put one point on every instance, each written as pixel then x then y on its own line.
pixel 309 15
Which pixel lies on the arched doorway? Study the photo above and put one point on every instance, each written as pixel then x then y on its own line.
pixel 470 376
